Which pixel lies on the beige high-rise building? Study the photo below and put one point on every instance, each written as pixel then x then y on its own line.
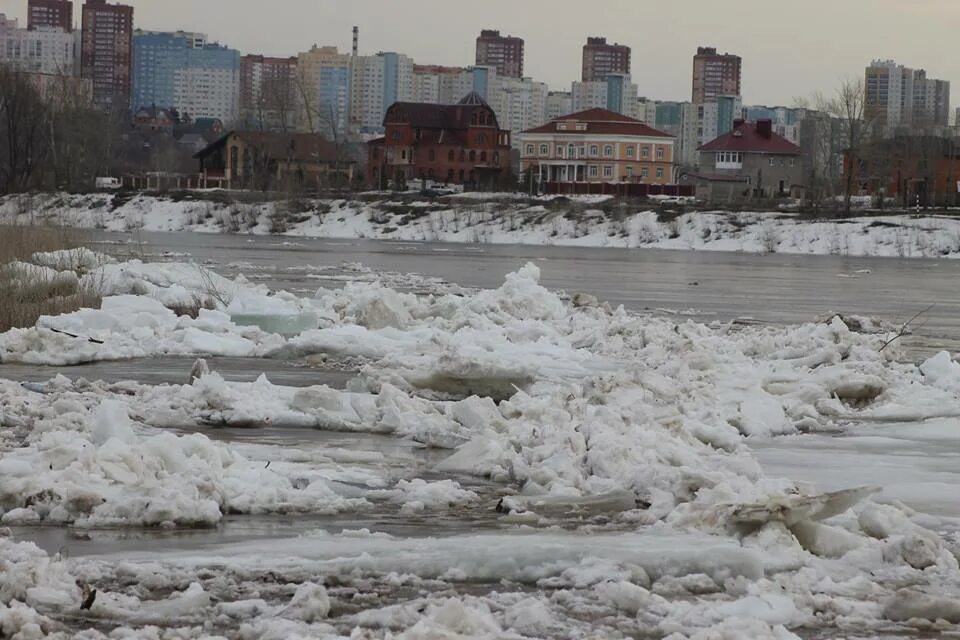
pixel 322 88
pixel 899 96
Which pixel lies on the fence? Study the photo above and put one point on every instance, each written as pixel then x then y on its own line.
pixel 622 189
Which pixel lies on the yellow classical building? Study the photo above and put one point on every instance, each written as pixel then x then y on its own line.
pixel 598 146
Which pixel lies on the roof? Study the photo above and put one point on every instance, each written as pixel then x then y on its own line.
pixel 745 138
pixel 602 121
pixel 303 147
pixel 422 115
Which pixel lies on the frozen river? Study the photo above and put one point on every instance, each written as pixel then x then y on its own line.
pixel 914 463
pixel 704 285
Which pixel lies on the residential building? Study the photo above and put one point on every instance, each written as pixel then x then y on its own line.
pixel 559 103
pixel 787 121
pixel 155 119
pixel 897 96
pixel 598 146
pixel 504 53
pixel 268 93
pixel 601 59
pixel 434 84
pixel 519 103
pixel 749 161
pixel 376 83
pixel 107 52
pixel 265 160
pixel 715 75
pixel 50 13
pixel 646 110
pixel 58 90
pixel 44 50
pixel 615 93
pixel 183 71
pixel 915 170
pixel 461 143
pixel 323 86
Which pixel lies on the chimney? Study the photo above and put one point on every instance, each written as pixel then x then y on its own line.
pixel 765 128
pixel 356 40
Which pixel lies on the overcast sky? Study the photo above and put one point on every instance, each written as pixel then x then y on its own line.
pixel 789 49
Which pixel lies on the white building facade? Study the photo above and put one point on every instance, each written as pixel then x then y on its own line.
pixel 47 50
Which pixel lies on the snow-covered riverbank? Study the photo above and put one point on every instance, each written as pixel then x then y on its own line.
pixel 611 451
pixel 589 222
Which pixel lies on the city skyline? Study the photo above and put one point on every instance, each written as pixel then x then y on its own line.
pixel 663 38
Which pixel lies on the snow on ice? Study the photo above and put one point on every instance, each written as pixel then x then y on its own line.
pixel 609 452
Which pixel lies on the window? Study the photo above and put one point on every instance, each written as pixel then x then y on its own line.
pixel 403 154
pixel 644 172
pixel 659 172
pixel 396 134
pixel 529 149
pixel 483 156
pixel 431 156
pixel 630 171
pixel 571 151
pixel 496 158
pixel 644 153
pixel 482 138
pixel 461 175
pixel 451 156
pixel 608 151
pixel 607 171
pixel 660 153
pixel 559 150
pixel 594 151
pixel 630 151
pixel 772 162
pixel 473 156
pixel 594 171
pixel 581 151
pixel 544 150
pixel 792 162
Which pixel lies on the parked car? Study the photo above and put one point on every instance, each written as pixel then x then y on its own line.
pixel 108 183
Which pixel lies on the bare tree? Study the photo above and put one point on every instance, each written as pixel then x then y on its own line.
pixel 849 105
pixel 22 118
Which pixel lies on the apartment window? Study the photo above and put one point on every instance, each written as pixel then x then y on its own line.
pixel 594 171
pixel 659 172
pixel 594 151
pixel 482 138
pixel 544 150
pixel 644 153
pixel 630 171
pixel 660 154
pixel 403 154
pixel 607 171
pixel 559 150
pixel 772 162
pixel 630 151
pixel 529 149
pixel 608 151
pixel 644 172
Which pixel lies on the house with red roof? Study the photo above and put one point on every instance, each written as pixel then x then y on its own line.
pixel 452 143
pixel 750 161
pixel 598 146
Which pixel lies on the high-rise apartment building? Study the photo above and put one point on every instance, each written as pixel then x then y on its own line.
pixel 376 83
pixel 505 53
pixel 323 87
pixel 559 103
pixel 107 52
pixel 715 75
pixel 614 93
pixel 268 93
pixel 601 59
pixel 898 96
pixel 182 70
pixel 434 84
pixel 50 13
pixel 46 50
